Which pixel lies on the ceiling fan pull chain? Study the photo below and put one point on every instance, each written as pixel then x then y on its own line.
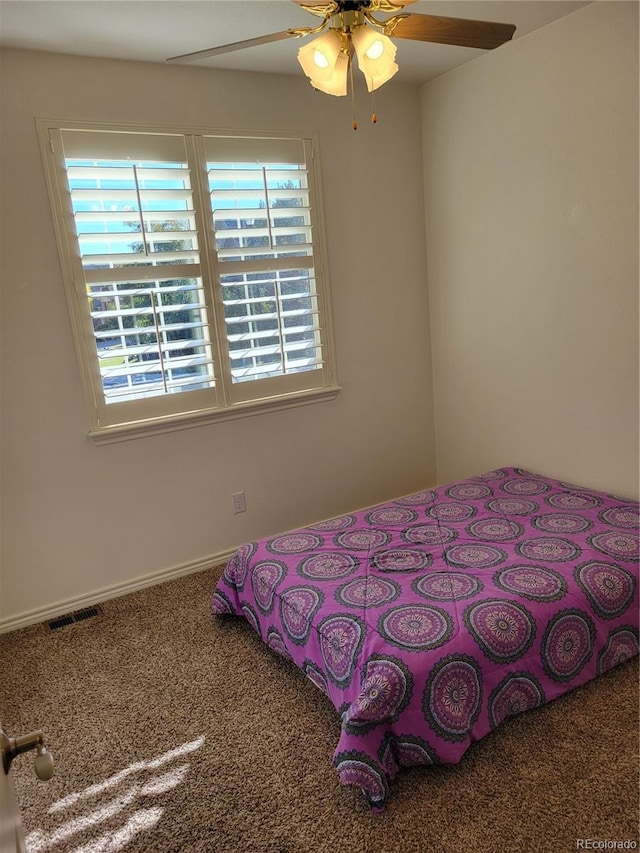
pixel 374 116
pixel 353 95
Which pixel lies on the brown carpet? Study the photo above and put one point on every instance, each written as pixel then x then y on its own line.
pixel 174 733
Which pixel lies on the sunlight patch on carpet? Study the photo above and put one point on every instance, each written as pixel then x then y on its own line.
pixel 141 820
pixel 122 791
pixel 113 781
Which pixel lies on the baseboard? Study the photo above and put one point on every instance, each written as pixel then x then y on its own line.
pixel 33 617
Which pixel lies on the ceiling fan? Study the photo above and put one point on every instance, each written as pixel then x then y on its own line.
pixel 350 27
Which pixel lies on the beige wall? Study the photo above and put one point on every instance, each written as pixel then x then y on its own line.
pixel 531 198
pixel 79 518
pixel 531 177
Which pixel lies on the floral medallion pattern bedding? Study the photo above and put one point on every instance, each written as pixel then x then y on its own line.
pixel 430 619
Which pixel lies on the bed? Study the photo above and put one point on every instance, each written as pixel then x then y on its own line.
pixel 431 619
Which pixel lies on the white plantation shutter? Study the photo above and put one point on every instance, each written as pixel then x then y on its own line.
pixel 138 245
pixel 263 227
pixel 191 263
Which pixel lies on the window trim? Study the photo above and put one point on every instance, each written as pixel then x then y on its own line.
pixel 151 424
pixel 171 423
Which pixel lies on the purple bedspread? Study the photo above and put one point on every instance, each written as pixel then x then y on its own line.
pixel 430 619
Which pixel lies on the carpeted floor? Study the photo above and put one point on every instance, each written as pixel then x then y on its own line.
pixel 173 733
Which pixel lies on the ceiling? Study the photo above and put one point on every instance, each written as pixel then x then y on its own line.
pixel 153 30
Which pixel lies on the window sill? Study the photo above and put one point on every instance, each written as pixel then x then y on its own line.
pixel 189 420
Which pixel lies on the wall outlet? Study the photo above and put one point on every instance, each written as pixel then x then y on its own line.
pixel 238 502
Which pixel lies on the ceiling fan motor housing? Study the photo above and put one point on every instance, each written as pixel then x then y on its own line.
pixel 346 21
pixel 352 5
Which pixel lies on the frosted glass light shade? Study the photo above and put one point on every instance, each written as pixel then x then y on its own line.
pixel 336 84
pixel 319 57
pixel 376 56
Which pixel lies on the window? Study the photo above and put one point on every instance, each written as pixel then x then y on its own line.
pixel 193 264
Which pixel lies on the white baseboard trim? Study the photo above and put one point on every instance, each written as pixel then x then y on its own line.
pixel 42 614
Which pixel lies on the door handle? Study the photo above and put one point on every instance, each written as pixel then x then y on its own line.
pixel 14 746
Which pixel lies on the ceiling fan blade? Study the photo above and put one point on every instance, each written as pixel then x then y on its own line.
pixel 236 45
pixel 483 34
pixel 311 2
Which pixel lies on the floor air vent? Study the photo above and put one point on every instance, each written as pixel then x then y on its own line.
pixel 76 616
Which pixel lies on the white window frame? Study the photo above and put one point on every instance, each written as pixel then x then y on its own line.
pixel 227 400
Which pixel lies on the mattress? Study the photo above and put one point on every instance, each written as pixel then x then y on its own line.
pixel 430 619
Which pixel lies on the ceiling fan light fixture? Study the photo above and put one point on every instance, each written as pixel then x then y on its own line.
pixel 376 56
